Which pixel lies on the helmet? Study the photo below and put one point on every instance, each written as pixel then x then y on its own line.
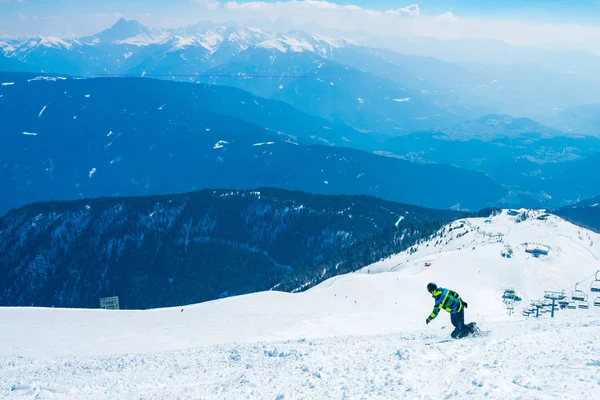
pixel 431 287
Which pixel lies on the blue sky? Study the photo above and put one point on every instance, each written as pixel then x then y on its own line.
pixel 77 17
pixel 576 10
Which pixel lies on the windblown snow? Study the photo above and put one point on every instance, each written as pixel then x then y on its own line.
pixel 361 335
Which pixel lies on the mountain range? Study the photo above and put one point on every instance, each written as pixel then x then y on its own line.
pixel 73 138
pixel 539 168
pixel 299 68
pixel 367 88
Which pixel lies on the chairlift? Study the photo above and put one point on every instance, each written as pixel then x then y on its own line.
pixel 595 286
pixel 509 294
pixel 597 302
pixel 584 305
pixel 577 294
pixel 547 303
pixel 518 298
pixel 563 304
pixel 572 305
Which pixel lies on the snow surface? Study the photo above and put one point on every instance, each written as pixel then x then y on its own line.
pixel 145 39
pixel 361 335
pixel 58 43
pixel 5 47
pixel 287 43
pixel 220 144
pixel 209 40
pixel 262 144
pixel 7 83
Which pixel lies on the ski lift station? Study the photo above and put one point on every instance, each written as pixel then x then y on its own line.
pixel 537 249
pixel 543 217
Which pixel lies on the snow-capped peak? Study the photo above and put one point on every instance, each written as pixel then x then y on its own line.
pixel 144 39
pixel 209 40
pixel 52 42
pixel 217 37
pixel 5 47
pixel 125 29
pixel 300 42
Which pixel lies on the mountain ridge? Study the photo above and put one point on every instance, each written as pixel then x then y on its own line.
pixel 72 138
pixel 178 249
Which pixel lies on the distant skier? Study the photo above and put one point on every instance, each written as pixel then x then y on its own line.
pixel 450 301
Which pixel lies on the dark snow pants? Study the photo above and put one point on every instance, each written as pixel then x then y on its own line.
pixel 460 329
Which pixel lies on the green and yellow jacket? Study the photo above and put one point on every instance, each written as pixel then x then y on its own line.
pixel 445 299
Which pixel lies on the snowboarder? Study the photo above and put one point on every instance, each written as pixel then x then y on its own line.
pixel 450 301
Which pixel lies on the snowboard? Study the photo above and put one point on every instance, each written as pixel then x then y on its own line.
pixel 475 332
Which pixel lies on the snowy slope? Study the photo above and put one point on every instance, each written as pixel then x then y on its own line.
pixel 360 335
pixel 468 257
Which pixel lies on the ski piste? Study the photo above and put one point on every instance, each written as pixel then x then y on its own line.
pixel 359 335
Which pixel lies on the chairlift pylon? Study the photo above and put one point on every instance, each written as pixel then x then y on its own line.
pixel 595 286
pixel 577 295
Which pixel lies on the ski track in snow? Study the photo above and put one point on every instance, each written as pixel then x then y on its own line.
pixel 531 359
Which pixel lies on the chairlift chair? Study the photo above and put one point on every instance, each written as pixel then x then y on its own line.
pixel 597 302
pixel 509 294
pixel 595 286
pixel 584 305
pixel 518 297
pixel 563 304
pixel 577 295
pixel 572 305
pixel 547 303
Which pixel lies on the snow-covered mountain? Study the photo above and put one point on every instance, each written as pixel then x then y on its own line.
pixel 471 253
pixel 329 77
pixel 357 335
pixel 126 39
pixel 5 47
pixel 122 31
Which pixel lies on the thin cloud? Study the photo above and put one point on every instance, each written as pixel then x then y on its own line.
pixel 208 4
